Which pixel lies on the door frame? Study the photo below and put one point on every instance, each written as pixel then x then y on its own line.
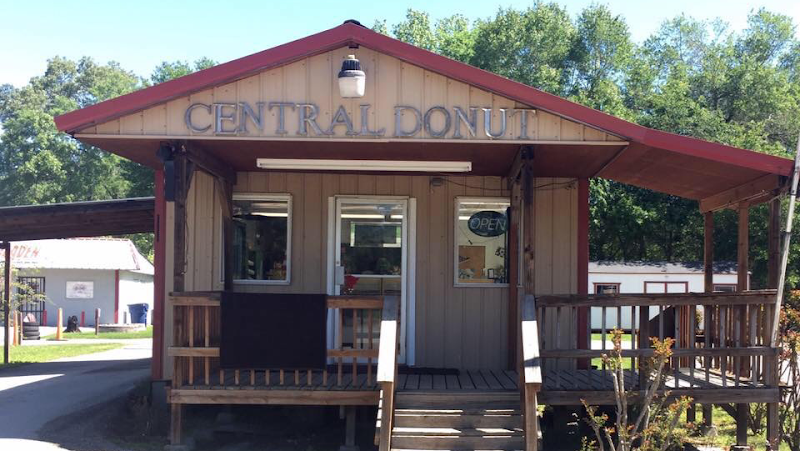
pixel 407 284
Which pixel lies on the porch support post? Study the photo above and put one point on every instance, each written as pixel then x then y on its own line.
pixel 583 267
pixel 529 231
pixel 226 194
pixel 773 269
pixel 159 279
pixel 513 275
pixel 183 172
pixel 742 269
pixel 350 430
pixel 182 182
pixel 6 300
pixel 708 310
pixel 527 397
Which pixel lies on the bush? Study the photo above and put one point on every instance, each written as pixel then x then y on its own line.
pixel 654 426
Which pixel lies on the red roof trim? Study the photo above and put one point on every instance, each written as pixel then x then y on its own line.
pixel 350 33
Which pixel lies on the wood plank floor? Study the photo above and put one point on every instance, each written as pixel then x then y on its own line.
pixel 454 380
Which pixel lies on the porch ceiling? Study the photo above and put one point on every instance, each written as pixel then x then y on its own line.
pixel 680 174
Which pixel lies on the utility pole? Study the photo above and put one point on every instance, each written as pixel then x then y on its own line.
pixel 787 238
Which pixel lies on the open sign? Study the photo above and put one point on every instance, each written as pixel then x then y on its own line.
pixel 488 223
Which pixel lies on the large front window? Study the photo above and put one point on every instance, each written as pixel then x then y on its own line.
pixel 262 238
pixel 481 241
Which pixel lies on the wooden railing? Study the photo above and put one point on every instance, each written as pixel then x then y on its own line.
pixel 387 371
pixel 531 374
pixel 196 340
pixel 719 337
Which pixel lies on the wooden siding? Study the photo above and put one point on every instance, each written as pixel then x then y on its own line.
pixel 456 327
pixel 390 82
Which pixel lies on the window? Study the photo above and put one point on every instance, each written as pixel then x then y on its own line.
pixel 262 229
pixel 481 241
pixel 725 287
pixel 606 288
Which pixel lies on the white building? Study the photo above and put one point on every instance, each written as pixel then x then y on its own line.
pixel 81 275
pixel 606 277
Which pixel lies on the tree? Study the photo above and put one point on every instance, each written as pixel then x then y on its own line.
pixel 530 46
pixel 691 77
pixel 600 53
pixel 168 70
pixel 39 164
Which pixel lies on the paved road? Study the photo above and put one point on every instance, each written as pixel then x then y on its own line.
pixel 32 395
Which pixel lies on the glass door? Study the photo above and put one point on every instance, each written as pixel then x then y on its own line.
pixel 371 254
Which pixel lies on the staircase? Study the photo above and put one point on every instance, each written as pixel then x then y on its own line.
pixel 474 420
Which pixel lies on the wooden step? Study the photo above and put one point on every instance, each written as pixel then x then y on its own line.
pixel 454 432
pixel 455 419
pixel 455 400
pixel 475 441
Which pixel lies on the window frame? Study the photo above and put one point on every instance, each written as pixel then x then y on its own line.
pixel 729 285
pixel 457 202
pixel 287 197
pixel 595 284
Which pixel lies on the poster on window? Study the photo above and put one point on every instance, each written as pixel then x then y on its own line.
pixel 80 290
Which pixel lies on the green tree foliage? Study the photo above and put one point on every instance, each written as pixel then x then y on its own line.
pixel 168 70
pixel 690 77
pixel 40 165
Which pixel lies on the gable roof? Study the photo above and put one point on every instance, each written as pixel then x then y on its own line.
pixel 644 162
pixel 80 253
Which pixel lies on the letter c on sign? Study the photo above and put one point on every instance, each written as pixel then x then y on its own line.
pixel 187 118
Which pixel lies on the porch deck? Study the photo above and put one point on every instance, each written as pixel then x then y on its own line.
pixel 559 386
pixel 726 358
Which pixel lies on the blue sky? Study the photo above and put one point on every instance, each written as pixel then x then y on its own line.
pixel 141 34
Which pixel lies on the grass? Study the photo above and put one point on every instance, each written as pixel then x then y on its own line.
pixel 45 353
pixel 598 362
pixel 726 432
pixel 626 338
pixel 146 333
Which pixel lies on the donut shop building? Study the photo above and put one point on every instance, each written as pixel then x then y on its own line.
pixel 347 219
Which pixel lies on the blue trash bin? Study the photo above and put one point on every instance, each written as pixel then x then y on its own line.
pixel 138 313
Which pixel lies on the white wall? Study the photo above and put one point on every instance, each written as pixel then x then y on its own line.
pixel 639 283
pixel 134 288
pixel 56 289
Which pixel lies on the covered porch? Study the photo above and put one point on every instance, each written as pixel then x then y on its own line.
pixel 472 348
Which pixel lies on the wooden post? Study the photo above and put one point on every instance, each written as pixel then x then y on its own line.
pixel 513 275
pixel 179 249
pixel 350 430
pixel 529 240
pixel 583 335
pixel 771 363
pixel 742 270
pixel 16 329
pixel 708 285
pixel 176 424
pixel 227 216
pixel 97 321
pixel 7 301
pixel 528 282
pixel 59 324
pixel 19 328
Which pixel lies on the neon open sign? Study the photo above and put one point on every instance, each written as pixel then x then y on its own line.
pixel 488 223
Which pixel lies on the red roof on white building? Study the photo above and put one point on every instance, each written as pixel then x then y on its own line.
pixel 80 253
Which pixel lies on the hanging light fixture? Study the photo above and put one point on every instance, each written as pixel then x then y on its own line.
pixel 351 78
